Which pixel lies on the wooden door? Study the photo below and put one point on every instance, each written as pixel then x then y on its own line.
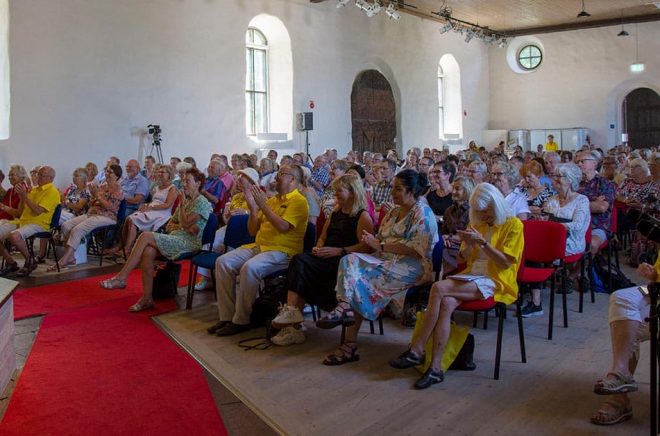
pixel 373 113
pixel 641 118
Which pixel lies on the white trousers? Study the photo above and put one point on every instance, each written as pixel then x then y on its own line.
pixel 76 228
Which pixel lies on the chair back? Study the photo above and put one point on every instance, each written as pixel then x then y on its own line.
pixel 310 238
pixel 55 220
pixel 121 213
pixel 237 233
pixel 209 229
pixel 545 241
pixel 436 257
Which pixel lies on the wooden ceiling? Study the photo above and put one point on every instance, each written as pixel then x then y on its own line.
pixel 521 17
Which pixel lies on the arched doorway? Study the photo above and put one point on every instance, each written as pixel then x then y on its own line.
pixel 641 118
pixel 373 113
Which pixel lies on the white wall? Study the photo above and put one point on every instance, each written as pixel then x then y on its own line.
pixel 88 75
pixel 581 83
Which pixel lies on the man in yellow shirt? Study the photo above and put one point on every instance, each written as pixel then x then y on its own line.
pixel 551 145
pixel 36 207
pixel 279 226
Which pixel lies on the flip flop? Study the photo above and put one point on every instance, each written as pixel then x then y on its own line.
pixel 614 414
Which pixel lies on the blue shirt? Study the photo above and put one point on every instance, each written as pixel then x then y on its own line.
pixel 131 187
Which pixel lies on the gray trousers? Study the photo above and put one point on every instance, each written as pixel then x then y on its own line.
pixel 250 266
pixel 76 228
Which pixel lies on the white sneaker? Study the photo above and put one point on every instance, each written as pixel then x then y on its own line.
pixel 288 336
pixel 204 283
pixel 288 315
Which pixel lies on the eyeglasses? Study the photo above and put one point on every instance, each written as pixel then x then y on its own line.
pixel 280 174
pixel 557 176
pixel 496 174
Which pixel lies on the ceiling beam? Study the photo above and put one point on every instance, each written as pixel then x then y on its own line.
pixel 582 25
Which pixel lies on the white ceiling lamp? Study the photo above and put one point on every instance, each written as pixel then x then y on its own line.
pixel 637 66
pixel 583 13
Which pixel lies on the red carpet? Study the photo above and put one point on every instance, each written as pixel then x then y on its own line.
pixel 57 297
pixel 104 371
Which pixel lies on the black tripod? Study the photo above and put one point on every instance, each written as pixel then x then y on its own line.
pixel 159 153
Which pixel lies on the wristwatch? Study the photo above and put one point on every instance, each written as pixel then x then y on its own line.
pixel 343 251
pixel 482 245
pixel 382 246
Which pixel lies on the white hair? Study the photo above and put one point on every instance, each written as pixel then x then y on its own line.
pixel 642 163
pixel 484 196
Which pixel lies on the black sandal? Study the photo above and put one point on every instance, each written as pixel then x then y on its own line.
pixel 429 378
pixel 39 259
pixel 407 359
pixel 26 270
pixel 348 354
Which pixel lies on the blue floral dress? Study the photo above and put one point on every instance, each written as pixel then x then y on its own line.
pixel 179 241
pixel 368 282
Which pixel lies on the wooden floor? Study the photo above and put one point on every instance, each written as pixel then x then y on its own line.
pixel 551 394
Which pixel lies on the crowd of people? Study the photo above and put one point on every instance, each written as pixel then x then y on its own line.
pixel 379 218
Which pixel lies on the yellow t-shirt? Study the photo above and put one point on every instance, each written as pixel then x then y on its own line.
pixel 238 202
pixel 294 209
pixel 509 239
pixel 46 196
pixel 551 146
pixel 656 267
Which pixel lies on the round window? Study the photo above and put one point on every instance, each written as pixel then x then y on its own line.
pixel 530 57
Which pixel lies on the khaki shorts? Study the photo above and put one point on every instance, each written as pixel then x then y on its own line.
pixel 25 231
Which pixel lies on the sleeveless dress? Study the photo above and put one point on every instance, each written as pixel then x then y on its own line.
pixel 314 278
pixel 151 220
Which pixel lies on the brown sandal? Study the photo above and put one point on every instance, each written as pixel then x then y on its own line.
pixel 346 353
pixel 615 383
pixel 612 412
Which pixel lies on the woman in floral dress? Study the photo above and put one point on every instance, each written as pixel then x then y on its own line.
pixel 185 235
pixel 402 258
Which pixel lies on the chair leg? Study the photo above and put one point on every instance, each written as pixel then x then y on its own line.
pixel 191 287
pixel 498 350
pixel 380 325
pixel 551 315
pixel 51 241
pixel 521 333
pixel 582 289
pixel 313 312
pixel 609 267
pixel 564 297
pixel 371 327
pixel 475 318
pixel 485 326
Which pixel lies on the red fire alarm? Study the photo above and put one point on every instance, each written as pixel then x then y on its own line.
pixel 311 104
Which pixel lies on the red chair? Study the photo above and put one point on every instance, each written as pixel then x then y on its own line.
pixel 545 246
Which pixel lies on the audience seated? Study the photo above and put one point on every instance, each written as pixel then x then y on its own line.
pixel 75 198
pixel 150 216
pixel 337 169
pixel 134 186
pixel 492 247
pixel 536 192
pixel 456 217
pixel 567 204
pixel 184 235
pixel 36 208
pixel 103 207
pixel 312 276
pixel 9 208
pixel 439 196
pixel 402 258
pixel 601 195
pixel 505 177
pixel 279 226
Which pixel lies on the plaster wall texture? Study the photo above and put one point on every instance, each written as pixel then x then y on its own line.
pixel 584 77
pixel 88 76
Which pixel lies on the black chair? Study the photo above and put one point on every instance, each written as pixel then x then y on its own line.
pixel 236 235
pixel 46 234
pixel 99 236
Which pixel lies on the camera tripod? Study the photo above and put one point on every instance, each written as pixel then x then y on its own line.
pixel 159 153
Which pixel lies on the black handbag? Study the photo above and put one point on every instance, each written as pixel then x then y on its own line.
pixel 166 280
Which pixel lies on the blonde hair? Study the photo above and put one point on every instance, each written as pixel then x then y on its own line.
pixel 353 184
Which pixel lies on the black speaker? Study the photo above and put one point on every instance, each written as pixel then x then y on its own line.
pixel 305 121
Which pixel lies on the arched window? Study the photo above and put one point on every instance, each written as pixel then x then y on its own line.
pixel 441 104
pixel 450 101
pixel 256 82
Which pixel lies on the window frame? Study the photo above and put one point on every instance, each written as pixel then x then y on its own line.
pixel 251 110
pixel 441 102
pixel 530 58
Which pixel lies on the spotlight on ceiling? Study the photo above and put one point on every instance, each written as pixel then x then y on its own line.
pixel 342 3
pixel 446 28
pixel 373 9
pixel 502 43
pixel 623 33
pixel 392 13
pixel 583 13
pixel 470 34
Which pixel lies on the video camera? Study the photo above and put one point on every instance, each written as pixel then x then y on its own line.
pixel 645 224
pixel 155 131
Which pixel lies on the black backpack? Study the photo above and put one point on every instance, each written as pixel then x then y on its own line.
pixel 601 276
